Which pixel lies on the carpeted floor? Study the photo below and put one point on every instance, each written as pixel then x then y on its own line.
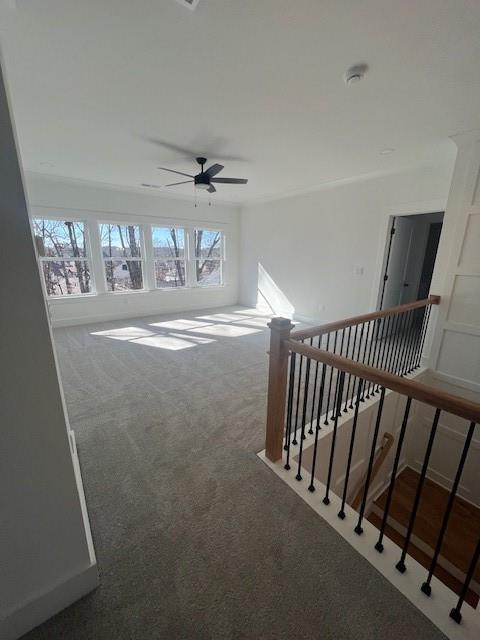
pixel 195 537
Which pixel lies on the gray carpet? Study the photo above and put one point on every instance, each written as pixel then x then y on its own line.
pixel 195 537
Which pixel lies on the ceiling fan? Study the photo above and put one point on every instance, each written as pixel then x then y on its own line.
pixel 205 178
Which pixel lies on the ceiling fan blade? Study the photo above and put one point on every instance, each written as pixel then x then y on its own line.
pixel 180 173
pixel 209 150
pixel 172 147
pixel 211 189
pixel 173 184
pixel 230 180
pixel 213 170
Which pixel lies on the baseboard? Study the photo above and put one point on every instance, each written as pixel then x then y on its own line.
pixel 96 318
pixel 49 603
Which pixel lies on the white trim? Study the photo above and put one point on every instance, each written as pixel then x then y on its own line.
pixel 115 216
pixel 456 381
pixel 140 313
pixel 168 195
pixel 45 605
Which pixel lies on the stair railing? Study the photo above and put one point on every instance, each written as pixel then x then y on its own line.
pixel 313 384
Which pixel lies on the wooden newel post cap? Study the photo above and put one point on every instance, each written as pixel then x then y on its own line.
pixel 280 324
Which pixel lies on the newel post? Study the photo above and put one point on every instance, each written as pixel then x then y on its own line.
pixel 277 387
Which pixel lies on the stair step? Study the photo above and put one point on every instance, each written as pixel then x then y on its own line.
pixel 462 532
pixel 424 559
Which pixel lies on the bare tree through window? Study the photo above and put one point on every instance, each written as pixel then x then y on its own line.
pixel 169 256
pixel 61 247
pixel 209 257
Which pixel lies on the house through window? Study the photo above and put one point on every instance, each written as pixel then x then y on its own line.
pixel 122 256
pixel 64 260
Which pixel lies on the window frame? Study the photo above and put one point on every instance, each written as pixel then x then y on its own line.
pixel 88 258
pixel 185 259
pixel 221 260
pixel 142 259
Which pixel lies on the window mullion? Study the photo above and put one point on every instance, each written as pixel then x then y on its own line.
pixel 148 262
pixel 96 258
pixel 191 261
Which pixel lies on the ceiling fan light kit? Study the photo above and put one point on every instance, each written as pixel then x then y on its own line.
pixel 205 179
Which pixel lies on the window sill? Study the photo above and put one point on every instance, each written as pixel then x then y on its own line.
pixel 71 298
pixel 103 294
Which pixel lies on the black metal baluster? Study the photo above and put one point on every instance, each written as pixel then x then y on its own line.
pixel 369 359
pixel 381 344
pixel 455 613
pixel 362 398
pixel 341 513
pixel 294 441
pixel 384 347
pixel 291 385
pixel 350 375
pixel 401 563
pixel 304 414
pixel 415 338
pixel 311 488
pixel 403 345
pixel 392 342
pixel 330 384
pixel 398 343
pixel 426 588
pixel 379 545
pixel 358 529
pixel 326 499
pixel 410 345
pixel 424 335
pixel 310 431
pixel 378 348
pixel 357 359
pixel 385 333
pixel 413 352
pixel 335 403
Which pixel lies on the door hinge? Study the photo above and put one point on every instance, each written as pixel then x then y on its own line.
pixel 385 278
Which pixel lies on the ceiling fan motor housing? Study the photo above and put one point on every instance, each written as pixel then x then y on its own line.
pixel 202 180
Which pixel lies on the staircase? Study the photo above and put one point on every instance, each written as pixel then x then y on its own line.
pixel 343 404
pixel 460 538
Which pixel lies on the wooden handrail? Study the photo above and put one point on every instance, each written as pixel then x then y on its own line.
pixel 417 390
pixel 387 443
pixel 301 334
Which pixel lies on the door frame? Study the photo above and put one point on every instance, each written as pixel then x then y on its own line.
pixel 409 209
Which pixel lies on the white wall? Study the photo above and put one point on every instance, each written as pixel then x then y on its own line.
pixel 321 253
pixel 92 202
pixel 46 560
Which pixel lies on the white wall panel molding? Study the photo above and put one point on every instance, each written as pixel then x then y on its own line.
pixel 455 353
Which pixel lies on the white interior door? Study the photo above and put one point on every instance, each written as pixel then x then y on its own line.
pixel 396 287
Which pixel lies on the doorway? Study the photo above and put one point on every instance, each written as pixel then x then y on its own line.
pixel 410 253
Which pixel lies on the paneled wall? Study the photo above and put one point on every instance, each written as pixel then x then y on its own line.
pixel 456 345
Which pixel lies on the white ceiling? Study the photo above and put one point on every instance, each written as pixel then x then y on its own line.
pixel 261 80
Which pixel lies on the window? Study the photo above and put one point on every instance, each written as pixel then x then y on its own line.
pixel 122 256
pixel 169 257
pixel 64 260
pixel 209 257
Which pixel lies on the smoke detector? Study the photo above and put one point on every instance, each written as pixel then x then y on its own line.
pixel 355 73
pixel 190 4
